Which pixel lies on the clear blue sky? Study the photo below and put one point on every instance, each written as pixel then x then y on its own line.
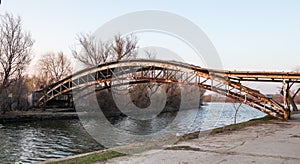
pixel 248 34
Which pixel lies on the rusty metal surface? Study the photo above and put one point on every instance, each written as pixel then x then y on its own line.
pixel 144 71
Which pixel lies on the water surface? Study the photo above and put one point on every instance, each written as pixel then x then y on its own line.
pixel 43 140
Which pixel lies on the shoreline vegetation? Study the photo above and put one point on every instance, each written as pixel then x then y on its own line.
pixel 104 155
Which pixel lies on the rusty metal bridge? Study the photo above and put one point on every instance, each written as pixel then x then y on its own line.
pixel 227 83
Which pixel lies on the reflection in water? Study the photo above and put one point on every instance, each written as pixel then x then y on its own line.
pixel 145 127
pixel 44 140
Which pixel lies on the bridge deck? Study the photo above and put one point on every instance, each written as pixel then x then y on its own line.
pixel 260 76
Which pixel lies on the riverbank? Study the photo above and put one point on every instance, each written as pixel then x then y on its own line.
pixel 261 140
pixel 36 116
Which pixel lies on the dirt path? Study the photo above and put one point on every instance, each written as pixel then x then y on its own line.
pixel 275 142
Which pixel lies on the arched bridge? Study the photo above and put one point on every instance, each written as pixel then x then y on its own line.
pixel 226 83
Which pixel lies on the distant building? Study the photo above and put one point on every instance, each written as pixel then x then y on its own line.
pixel 61 101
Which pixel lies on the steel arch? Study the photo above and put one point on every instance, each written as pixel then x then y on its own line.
pixel 136 71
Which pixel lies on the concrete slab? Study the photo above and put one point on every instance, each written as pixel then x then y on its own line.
pixel 275 142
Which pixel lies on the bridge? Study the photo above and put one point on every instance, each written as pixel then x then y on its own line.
pixel 227 83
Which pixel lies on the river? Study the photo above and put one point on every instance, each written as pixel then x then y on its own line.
pixel 43 140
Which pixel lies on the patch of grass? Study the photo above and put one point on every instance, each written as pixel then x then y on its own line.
pixel 189 136
pixel 183 148
pixel 91 158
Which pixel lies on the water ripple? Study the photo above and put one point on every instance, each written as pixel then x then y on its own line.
pixel 43 140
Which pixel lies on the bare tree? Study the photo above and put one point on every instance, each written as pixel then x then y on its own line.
pixel 20 90
pixel 124 48
pixel 94 52
pixel 15 49
pixel 53 67
pixel 33 83
pixel 150 54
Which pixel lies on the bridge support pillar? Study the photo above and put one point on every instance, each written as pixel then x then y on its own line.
pixel 288 98
pixel 285 92
pixel 292 100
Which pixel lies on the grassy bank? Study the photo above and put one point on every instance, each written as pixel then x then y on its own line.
pixel 108 154
pixel 91 158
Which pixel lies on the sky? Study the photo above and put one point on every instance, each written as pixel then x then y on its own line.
pixel 248 35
